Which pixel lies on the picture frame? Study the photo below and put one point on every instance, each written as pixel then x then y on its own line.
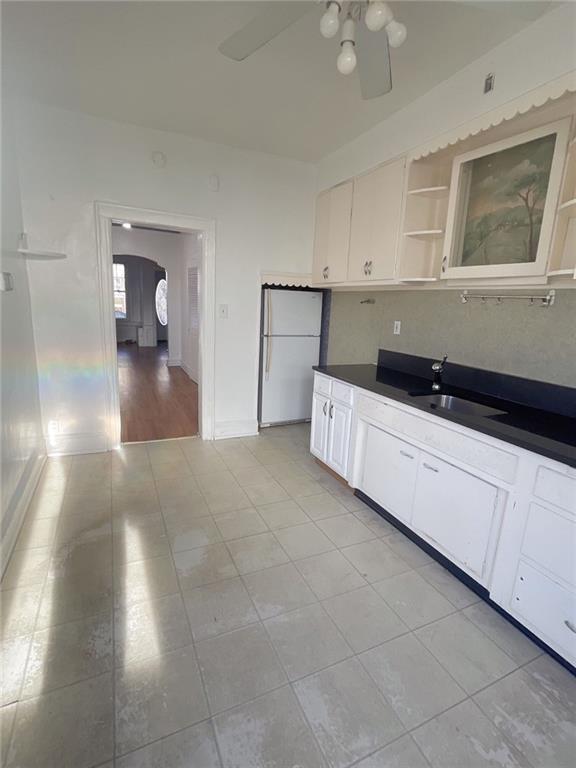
pixel 502 205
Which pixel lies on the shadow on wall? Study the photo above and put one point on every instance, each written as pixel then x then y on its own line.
pixel 512 337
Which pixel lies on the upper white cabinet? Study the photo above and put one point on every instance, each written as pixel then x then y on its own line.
pixel 332 234
pixel 376 210
pixel 428 220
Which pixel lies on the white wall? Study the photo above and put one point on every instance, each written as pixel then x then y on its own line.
pixel 264 220
pixel 538 54
pixel 22 445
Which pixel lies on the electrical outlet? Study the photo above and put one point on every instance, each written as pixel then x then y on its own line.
pixel 489 82
pixel 6 282
pixel 397 326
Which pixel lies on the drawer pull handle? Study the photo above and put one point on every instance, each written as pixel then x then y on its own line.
pixel 324 408
pixel 431 468
pixel 331 410
pixel 408 455
pixel 570 626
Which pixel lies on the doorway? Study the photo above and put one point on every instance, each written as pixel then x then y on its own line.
pixel 157 401
pixel 159 358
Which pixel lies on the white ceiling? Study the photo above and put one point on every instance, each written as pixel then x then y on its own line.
pixel 156 64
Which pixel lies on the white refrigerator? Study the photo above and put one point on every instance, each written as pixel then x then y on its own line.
pixel 290 347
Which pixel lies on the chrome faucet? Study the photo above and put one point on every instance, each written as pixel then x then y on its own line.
pixel 438 368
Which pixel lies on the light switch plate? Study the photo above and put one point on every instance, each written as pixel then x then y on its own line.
pixel 397 327
pixel 6 282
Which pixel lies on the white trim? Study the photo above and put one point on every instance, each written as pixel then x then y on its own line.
pixel 174 362
pixel 24 495
pixel 537 97
pixel 286 279
pixel 105 213
pixel 538 267
pixel 188 371
pixel 70 445
pixel 241 428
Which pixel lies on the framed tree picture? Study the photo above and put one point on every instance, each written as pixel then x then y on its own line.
pixel 502 205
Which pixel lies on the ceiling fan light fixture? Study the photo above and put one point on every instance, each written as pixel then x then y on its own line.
pixel 396 32
pixel 346 62
pixel 378 15
pixel 330 22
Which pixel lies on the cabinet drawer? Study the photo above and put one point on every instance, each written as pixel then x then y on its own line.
pixel 550 539
pixel 558 488
pixel 342 392
pixel 548 608
pixel 323 385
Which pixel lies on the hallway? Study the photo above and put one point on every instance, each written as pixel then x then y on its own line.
pixel 231 605
pixel 156 401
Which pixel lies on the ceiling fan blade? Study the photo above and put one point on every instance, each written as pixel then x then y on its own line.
pixel 275 18
pixel 373 55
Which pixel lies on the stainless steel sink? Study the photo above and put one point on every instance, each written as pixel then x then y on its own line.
pixel 458 405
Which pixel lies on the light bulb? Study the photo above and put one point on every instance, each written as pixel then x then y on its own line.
pixel 126 225
pixel 396 33
pixel 346 61
pixel 330 23
pixel 377 15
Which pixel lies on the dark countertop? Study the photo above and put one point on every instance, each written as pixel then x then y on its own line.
pixel 548 434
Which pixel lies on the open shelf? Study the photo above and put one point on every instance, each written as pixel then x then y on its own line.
pixel 433 192
pixel 425 234
pixel 28 253
pixel 568 208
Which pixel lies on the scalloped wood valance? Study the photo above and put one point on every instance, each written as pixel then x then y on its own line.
pixel 286 279
pixel 537 97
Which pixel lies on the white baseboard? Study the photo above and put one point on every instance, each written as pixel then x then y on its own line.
pixel 189 372
pixel 173 361
pixel 226 429
pixel 18 505
pixel 65 445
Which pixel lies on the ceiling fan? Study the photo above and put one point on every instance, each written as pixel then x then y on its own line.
pixel 359 42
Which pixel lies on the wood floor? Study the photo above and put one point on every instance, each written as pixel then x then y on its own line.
pixel 156 402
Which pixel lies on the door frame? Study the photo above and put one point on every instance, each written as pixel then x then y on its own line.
pixel 105 214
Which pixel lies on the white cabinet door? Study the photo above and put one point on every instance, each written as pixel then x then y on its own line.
pixel 319 426
pixel 549 609
pixel 332 234
pixel 340 419
pixel 389 472
pixel 454 511
pixel 376 209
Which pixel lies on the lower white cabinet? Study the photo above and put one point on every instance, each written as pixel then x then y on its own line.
pixel 319 426
pixel 455 511
pixel 389 472
pixel 339 427
pixel 547 607
pixel 330 431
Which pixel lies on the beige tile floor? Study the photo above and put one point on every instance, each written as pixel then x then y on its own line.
pixel 230 605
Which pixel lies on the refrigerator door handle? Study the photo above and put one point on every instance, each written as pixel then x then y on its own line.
pixel 268 332
pixel 268 354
